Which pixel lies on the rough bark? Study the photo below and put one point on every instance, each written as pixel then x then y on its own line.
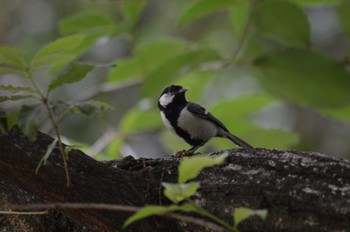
pixel 302 191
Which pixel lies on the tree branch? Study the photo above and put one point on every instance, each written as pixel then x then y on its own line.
pixel 302 191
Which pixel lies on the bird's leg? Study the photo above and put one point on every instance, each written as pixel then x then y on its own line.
pixel 195 147
pixel 189 152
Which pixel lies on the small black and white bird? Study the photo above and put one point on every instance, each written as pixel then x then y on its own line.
pixel 191 121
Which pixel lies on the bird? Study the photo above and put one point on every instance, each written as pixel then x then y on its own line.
pixel 192 122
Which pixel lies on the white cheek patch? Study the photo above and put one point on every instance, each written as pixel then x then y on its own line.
pixel 166 99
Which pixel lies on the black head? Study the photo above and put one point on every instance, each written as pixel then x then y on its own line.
pixel 172 94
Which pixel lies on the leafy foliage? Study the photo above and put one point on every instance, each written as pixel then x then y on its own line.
pixel 291 74
pixel 266 44
pixel 267 41
pixel 16 89
pixel 343 14
pixel 243 213
pixel 287 70
pixel 189 168
pixel 181 193
pixel 137 120
pixel 282 21
pixel 75 73
pixel 56 52
pixel 271 39
pixel 89 108
pixel 12 57
pixel 12 61
pixel 55 55
pixel 151 210
pixel 89 23
pixel 202 8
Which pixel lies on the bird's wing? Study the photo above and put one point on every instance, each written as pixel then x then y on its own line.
pixel 203 113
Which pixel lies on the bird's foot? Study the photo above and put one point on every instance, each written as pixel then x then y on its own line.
pixel 184 153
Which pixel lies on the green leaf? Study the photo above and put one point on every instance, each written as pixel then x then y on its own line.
pixel 239 15
pixel 56 62
pixel 243 213
pixel 150 52
pixel 54 53
pixel 262 213
pixel 3 123
pixel 12 70
pixel 88 108
pixel 30 118
pixel 87 23
pixel 59 45
pixel 316 3
pixel 12 57
pixel 343 11
pixel 151 210
pixel 271 138
pixel 179 192
pixel 305 77
pixel 189 168
pixel 234 113
pixel 164 66
pixel 148 211
pixel 282 21
pixel 131 12
pixel 126 69
pixel 113 149
pixel 191 80
pixel 15 89
pixel 339 114
pixel 76 73
pixel 15 97
pixel 202 8
pixel 43 160
pixel 69 148
pixel 181 64
pixel 12 118
pixel 137 120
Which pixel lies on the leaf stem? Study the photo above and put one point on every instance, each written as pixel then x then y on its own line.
pixel 60 143
pixel 44 100
pixel 240 43
pixel 205 213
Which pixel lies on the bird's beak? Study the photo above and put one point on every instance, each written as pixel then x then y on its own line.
pixel 183 90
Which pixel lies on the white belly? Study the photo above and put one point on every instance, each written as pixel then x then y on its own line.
pixel 166 122
pixel 197 127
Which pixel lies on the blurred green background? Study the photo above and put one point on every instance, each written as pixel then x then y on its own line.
pixel 276 72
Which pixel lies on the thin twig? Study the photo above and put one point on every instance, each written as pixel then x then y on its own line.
pixel 240 43
pixel 44 100
pixel 23 213
pixel 60 143
pixel 102 206
pixel 224 64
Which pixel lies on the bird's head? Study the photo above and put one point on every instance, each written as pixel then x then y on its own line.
pixel 172 94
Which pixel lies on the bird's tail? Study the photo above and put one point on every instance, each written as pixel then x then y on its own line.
pixel 239 142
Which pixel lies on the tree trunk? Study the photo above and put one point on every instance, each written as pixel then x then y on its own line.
pixel 302 191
